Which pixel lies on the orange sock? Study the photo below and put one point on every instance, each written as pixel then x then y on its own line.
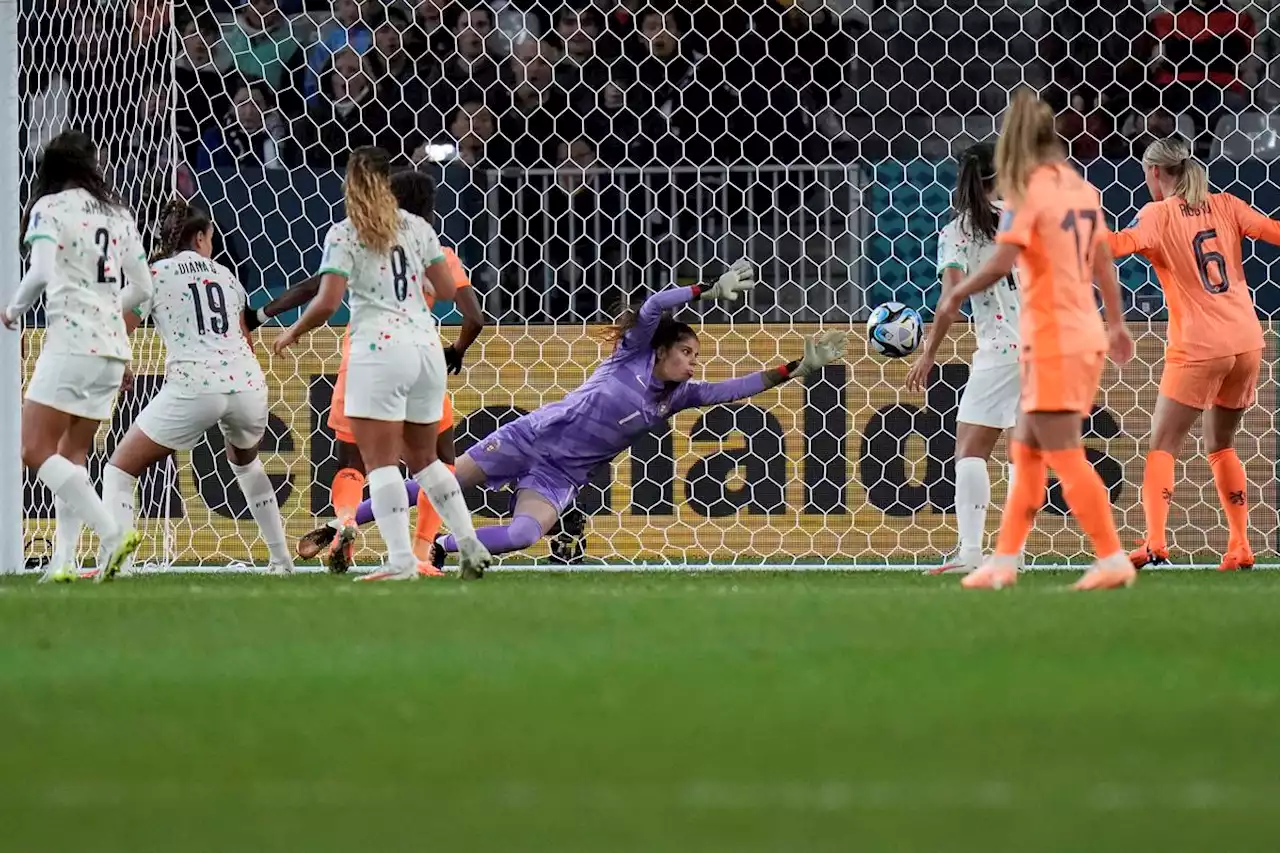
pixel 346 493
pixel 1233 491
pixel 1157 494
pixel 1087 498
pixel 1024 500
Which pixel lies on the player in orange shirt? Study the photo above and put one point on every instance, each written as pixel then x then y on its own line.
pixel 1054 229
pixel 415 193
pixel 1192 238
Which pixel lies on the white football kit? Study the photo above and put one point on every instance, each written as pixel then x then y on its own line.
pixel 397 370
pixel 211 375
pixel 991 396
pixel 97 251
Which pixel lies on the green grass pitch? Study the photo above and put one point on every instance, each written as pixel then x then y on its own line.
pixel 747 711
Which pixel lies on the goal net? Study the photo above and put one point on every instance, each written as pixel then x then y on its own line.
pixel 587 154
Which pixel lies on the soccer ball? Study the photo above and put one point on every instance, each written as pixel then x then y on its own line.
pixel 894 329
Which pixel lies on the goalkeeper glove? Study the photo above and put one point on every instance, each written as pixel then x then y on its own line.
pixel 740 278
pixel 453 359
pixel 253 318
pixel 820 350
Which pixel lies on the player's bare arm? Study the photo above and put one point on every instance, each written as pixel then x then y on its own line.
pixel 332 288
pixel 472 324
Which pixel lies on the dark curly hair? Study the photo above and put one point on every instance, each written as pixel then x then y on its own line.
pixel 415 192
pixel 70 161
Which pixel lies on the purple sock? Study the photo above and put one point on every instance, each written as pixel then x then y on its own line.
pixel 523 531
pixel 364 512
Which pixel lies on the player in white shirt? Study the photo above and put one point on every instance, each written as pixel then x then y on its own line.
pixel 87 258
pixel 396 373
pixel 989 404
pixel 211 377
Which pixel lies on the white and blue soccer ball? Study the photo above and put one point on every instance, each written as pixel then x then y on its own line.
pixel 894 329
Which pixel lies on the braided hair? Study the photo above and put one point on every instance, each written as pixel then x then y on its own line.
pixel 180 223
pixel 70 161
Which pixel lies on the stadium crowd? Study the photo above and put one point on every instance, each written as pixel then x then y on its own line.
pixel 539 85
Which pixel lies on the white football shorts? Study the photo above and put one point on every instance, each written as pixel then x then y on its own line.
pixel 991 397
pixel 400 383
pixel 82 385
pixel 176 417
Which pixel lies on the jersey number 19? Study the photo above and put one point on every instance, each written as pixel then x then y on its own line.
pixel 219 323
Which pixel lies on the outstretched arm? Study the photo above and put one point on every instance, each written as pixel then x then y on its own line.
pixel 738 280
pixel 821 350
pixel 333 287
pixel 1256 225
pixel 918 375
pixel 295 297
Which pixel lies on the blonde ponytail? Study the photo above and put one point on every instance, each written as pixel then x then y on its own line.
pixel 371 205
pixel 1028 138
pixel 1173 156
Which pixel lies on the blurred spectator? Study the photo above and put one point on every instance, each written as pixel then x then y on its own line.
pixel 1142 130
pixel 537 104
pixel 1202 48
pixel 260 43
pixel 347 114
pixel 579 233
pixel 202 92
pixel 1097 43
pixel 1083 127
pixel 673 97
pixel 428 36
pixel 471 63
pixel 582 73
pixel 349 27
pixel 402 86
pixel 253 134
pixel 473 128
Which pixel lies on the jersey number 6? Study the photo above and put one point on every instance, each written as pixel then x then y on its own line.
pixel 1206 259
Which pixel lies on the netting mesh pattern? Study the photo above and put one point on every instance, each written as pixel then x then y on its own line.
pixel 587 154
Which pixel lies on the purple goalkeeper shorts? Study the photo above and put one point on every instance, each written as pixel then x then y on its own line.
pixel 510 456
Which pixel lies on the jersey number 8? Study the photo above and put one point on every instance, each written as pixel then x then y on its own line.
pixel 399 273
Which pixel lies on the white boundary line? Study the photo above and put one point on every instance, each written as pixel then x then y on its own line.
pixel 650 568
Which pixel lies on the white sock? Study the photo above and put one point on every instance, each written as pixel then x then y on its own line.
pixel 71 483
pixel 265 508
pixel 118 493
pixel 446 496
pixel 66 534
pixel 391 512
pixel 973 495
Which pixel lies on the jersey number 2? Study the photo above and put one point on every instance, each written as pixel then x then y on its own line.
pixel 399 273
pixel 1205 260
pixel 102 239
pixel 218 320
pixel 1084 247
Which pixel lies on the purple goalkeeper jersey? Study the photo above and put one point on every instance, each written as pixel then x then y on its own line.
pixel 621 400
